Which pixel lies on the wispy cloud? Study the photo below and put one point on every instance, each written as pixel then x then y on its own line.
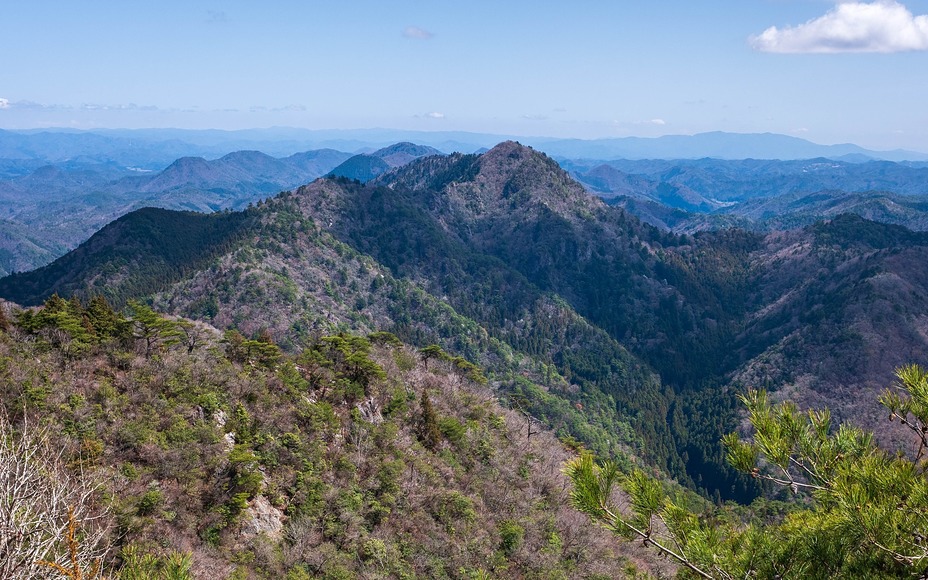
pixel 416 33
pixel 435 115
pixel 657 122
pixel 4 103
pixel 882 26
pixel 216 16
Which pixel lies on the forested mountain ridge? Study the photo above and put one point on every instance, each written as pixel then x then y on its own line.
pixel 836 308
pixel 138 253
pixel 611 331
pixel 55 208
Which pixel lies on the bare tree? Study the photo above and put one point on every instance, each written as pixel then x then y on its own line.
pixel 51 525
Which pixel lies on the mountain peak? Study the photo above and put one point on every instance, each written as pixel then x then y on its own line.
pixel 405 147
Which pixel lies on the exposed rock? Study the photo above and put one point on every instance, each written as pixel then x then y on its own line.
pixel 262 518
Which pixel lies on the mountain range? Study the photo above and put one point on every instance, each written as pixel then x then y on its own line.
pixel 624 336
pixel 155 148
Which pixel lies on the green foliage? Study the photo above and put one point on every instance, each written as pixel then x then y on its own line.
pixel 258 352
pixel 452 430
pixel 511 535
pixel 454 510
pixel 434 352
pixel 867 513
pixel 137 255
pixel 150 502
pixel 139 565
pixel 151 329
pixel 428 429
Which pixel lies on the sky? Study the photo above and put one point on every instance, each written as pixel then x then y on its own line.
pixel 829 72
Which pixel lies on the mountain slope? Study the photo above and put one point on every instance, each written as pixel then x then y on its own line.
pixel 132 256
pixel 838 307
pixel 477 250
pixel 310 469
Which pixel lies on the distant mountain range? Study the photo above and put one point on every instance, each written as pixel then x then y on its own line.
pixel 58 187
pixel 691 195
pixel 155 148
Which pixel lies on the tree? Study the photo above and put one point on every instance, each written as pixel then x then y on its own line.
pixel 105 321
pixel 51 524
pixel 193 335
pixel 427 428
pixel 433 351
pixel 863 512
pixel 4 320
pixel 152 329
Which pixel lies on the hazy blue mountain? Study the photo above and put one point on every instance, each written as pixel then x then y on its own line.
pixel 738 180
pixel 367 166
pixel 716 144
pixel 156 148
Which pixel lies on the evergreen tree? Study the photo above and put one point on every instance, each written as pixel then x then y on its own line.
pixel 867 513
pixel 152 329
pixel 428 430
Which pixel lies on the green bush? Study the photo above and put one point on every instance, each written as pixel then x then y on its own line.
pixel 511 535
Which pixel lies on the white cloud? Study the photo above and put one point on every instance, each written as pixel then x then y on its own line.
pixel 882 26
pixel 658 122
pixel 435 115
pixel 4 103
pixel 417 33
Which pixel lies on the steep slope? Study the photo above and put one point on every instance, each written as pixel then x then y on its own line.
pixel 133 256
pixel 256 464
pixel 278 270
pixel 481 254
pixel 633 281
pixel 838 307
pixel 611 331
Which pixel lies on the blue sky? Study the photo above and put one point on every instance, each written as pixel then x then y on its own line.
pixel 850 72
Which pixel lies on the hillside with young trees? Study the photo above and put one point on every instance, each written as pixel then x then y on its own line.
pixel 186 452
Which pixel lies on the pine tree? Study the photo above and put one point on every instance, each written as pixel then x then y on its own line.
pixel 152 329
pixel 428 431
pixel 867 513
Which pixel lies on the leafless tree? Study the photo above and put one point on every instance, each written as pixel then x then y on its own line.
pixel 51 524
